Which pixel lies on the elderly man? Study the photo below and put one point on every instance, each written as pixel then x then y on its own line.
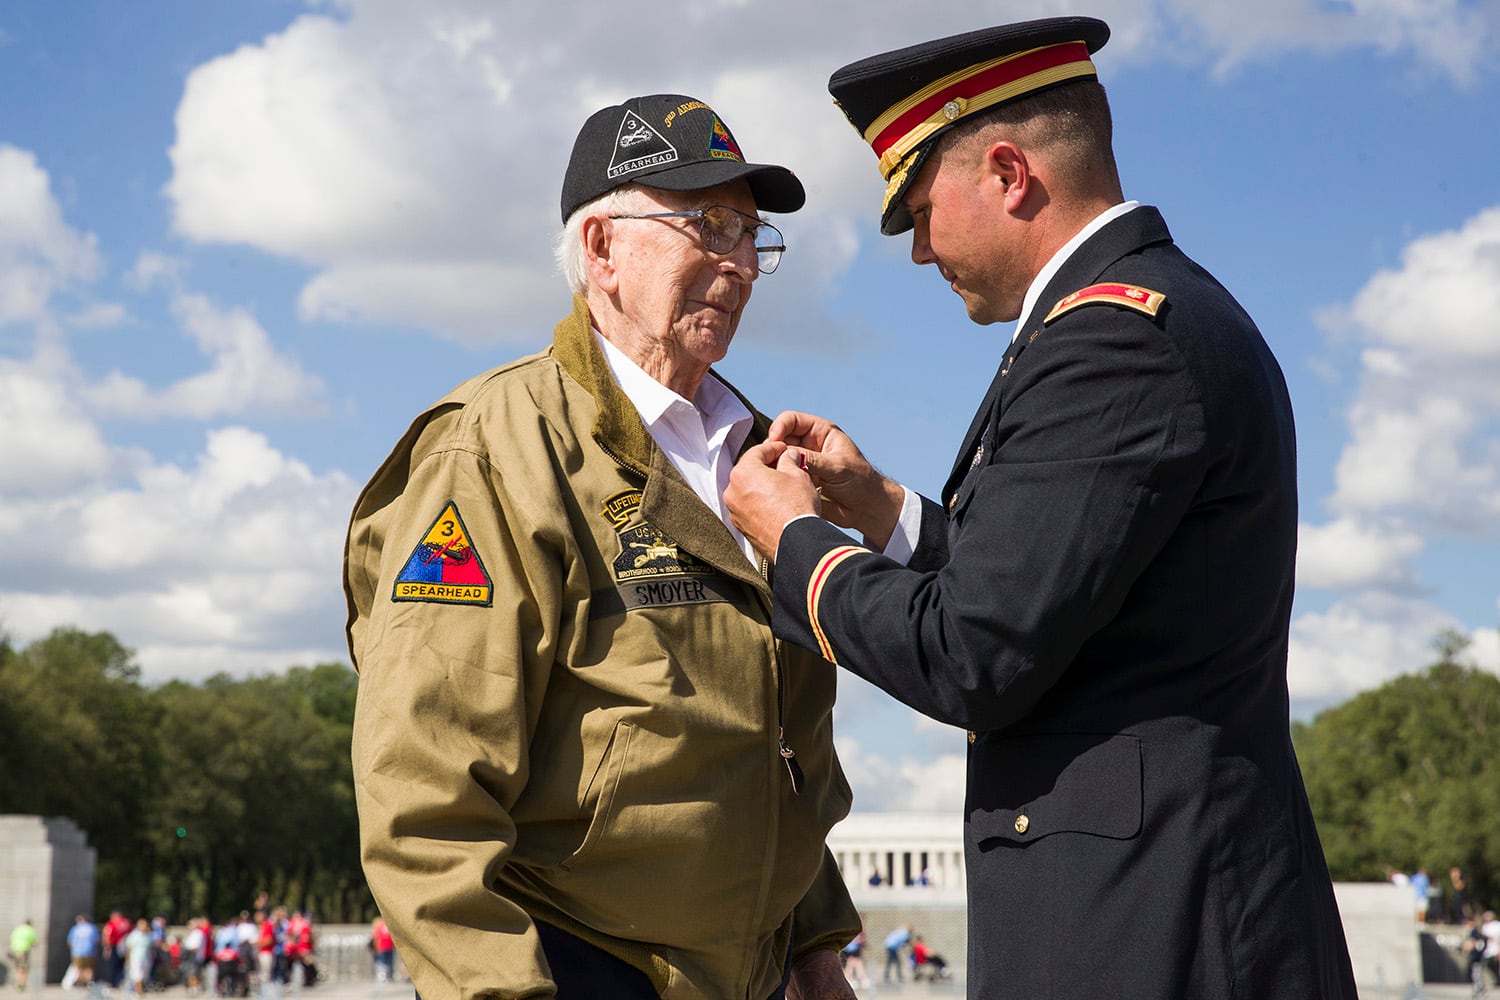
pixel 1101 592
pixel 584 765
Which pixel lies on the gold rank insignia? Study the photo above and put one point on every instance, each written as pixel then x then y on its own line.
pixel 1142 300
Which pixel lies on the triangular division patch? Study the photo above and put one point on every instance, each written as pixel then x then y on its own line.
pixel 722 145
pixel 445 567
pixel 638 146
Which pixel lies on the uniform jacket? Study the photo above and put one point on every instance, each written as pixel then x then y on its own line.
pixel 570 700
pixel 1102 598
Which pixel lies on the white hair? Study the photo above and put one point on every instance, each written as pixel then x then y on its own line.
pixel 568 249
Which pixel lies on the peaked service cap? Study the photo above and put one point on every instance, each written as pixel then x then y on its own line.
pixel 671 142
pixel 901 101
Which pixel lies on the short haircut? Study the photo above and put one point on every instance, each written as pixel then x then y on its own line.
pixel 1070 123
pixel 568 249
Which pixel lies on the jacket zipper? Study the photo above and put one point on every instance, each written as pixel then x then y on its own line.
pixel 788 755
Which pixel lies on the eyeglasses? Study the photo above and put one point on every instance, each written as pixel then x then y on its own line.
pixel 720 229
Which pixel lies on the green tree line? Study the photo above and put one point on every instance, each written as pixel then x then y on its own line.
pixel 1407 777
pixel 196 797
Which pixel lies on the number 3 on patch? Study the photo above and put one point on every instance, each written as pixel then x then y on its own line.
pixel 444 568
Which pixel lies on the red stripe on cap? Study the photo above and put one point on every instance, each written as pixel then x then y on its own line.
pixel 1023 65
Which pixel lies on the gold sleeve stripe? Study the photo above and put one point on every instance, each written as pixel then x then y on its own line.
pixel 821 572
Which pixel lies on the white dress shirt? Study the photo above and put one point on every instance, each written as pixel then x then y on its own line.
pixel 700 439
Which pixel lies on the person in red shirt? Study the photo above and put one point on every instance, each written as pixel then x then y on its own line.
pixel 298 946
pixel 115 930
pixel 384 949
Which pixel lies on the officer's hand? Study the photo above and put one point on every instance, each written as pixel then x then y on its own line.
pixel 855 495
pixel 768 489
pixel 817 976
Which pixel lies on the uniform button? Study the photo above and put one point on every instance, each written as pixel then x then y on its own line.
pixel 972 737
pixel 1023 822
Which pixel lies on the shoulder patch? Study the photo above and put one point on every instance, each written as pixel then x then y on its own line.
pixel 445 568
pixel 1142 300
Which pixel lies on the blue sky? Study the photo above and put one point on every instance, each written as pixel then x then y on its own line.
pixel 242 244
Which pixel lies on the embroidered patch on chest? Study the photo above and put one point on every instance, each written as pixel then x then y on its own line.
pixel 445 568
pixel 645 550
pixel 1142 300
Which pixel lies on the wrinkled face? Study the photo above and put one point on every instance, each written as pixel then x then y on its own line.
pixel 959 224
pixel 679 300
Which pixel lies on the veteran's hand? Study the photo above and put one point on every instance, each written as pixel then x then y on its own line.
pixel 817 976
pixel 854 494
pixel 767 489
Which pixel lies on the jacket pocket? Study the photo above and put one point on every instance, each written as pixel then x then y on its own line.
pixel 1025 788
pixel 603 789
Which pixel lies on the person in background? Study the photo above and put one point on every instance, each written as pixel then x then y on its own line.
pixel 1458 886
pixel 191 961
pixel 23 938
pixel 894 942
pixel 383 948
pixel 116 927
pixel 138 951
pixel 83 949
pixel 299 948
pixel 1420 885
pixel 854 959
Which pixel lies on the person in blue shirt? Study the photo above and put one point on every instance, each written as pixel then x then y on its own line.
pixel 83 946
pixel 894 942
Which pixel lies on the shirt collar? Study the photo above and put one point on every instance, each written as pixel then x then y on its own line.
pixel 1047 273
pixel 717 405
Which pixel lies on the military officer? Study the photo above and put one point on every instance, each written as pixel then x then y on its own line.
pixel 1101 592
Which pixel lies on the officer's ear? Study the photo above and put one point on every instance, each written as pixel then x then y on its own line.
pixel 597 235
pixel 1007 170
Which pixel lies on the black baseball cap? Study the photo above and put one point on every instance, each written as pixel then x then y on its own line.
pixel 672 142
pixel 901 101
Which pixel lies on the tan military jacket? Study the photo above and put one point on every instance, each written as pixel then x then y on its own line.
pixel 570 701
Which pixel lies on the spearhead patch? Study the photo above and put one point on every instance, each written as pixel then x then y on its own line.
pixel 1142 300
pixel 445 567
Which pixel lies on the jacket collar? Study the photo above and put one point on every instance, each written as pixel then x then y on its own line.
pixel 667 500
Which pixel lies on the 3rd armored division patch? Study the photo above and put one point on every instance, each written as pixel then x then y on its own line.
pixel 445 567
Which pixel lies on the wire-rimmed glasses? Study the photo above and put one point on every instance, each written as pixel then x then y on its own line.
pixel 720 228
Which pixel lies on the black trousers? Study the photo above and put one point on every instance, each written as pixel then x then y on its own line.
pixel 585 972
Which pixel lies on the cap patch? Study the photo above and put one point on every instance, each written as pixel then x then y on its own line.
pixel 638 146
pixel 1142 300
pixel 445 568
pixel 722 145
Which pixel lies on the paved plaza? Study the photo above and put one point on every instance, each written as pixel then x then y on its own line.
pixel 361 990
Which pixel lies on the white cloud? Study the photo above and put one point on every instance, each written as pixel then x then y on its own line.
pixel 1434 307
pixel 1360 643
pixel 1350 553
pixel 1449 37
pixel 247 374
pixel 47 446
pixel 887 782
pixel 411 154
pixel 39 252
pixel 235 555
pixel 1421 426
pixel 471 301
pixel 1484 650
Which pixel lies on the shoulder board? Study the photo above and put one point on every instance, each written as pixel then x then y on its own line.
pixel 1142 300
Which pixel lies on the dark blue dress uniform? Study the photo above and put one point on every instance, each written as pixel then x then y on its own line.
pixel 1102 597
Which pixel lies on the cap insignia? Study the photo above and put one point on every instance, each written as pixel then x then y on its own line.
pixel 637 146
